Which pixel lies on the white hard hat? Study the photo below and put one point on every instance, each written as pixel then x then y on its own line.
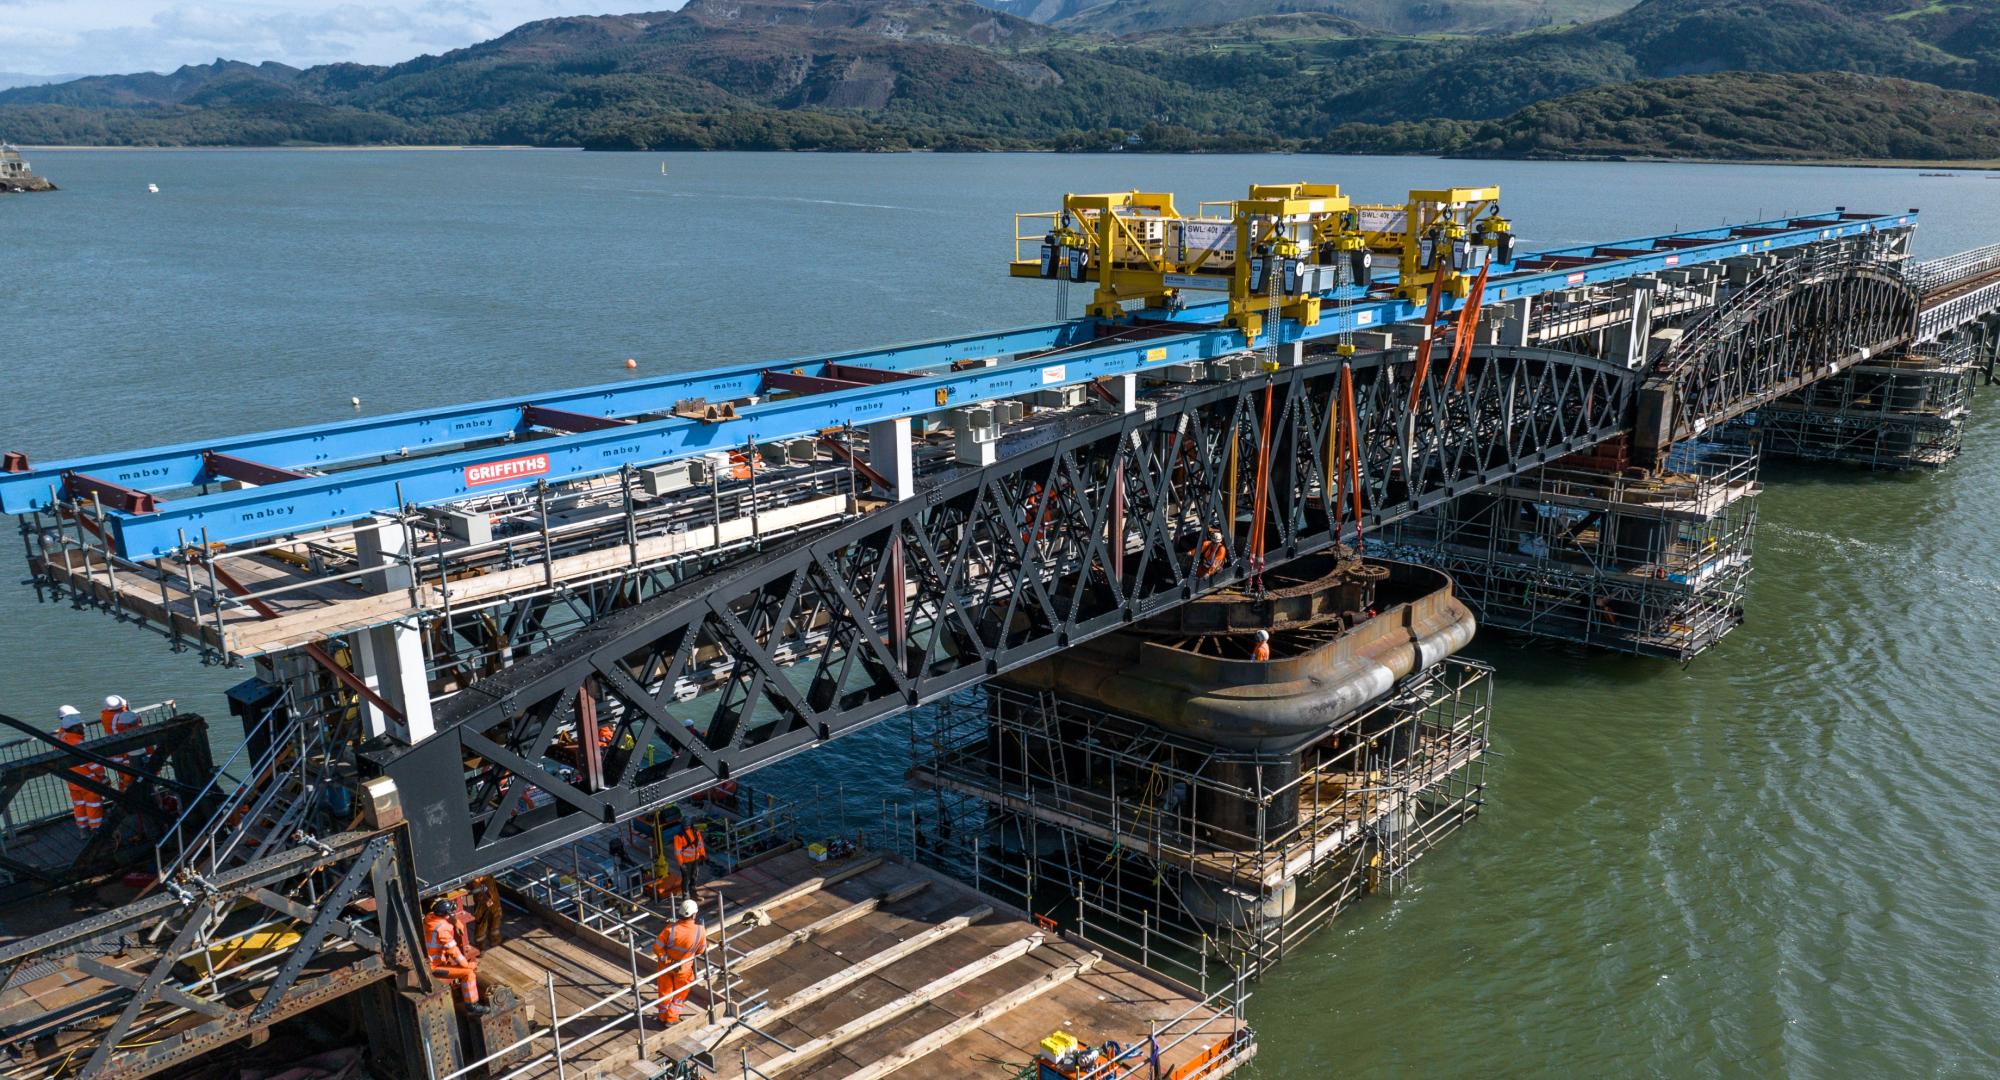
pixel 689 909
pixel 114 702
pixel 69 715
pixel 1263 635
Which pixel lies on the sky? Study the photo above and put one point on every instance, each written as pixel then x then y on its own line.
pixel 102 37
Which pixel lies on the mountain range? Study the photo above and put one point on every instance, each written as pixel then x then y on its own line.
pixel 1797 79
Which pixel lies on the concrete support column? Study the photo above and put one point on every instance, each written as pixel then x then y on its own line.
pixel 390 659
pixel 1629 343
pixel 891 454
pixel 1125 388
pixel 1515 315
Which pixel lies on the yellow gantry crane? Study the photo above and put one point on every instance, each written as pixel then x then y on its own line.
pixel 1436 238
pixel 1281 249
pixel 1133 245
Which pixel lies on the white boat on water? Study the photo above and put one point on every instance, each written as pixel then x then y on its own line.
pixel 152 189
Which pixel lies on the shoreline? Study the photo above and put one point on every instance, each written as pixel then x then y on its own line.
pixel 1991 165
pixel 59 147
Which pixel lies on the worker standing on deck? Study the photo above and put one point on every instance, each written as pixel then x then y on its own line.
pixel 118 718
pixel 486 911
pixel 446 958
pixel 677 948
pixel 1262 652
pixel 690 850
pixel 1211 555
pixel 666 882
pixel 86 806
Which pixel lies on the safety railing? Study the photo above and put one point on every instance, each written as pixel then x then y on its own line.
pixel 210 597
pixel 568 894
pixel 1214 1025
pixel 1938 274
pixel 46 798
pixel 185 843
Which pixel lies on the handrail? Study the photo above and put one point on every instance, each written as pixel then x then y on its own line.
pixel 183 847
pixel 1724 317
pixel 1936 274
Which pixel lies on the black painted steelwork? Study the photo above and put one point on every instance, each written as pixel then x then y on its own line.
pixel 1807 321
pixel 133 962
pixel 149 773
pixel 982 572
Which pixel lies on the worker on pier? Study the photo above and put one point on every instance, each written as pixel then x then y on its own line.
pixel 1262 651
pixel 690 851
pixel 665 881
pixel 86 806
pixel 485 911
pixel 118 718
pixel 677 947
pixel 461 924
pixel 446 958
pixel 1211 555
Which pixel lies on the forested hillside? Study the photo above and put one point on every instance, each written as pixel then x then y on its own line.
pixel 1329 75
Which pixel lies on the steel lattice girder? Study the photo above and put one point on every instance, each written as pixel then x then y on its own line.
pixel 983 571
pixel 312 884
pixel 1793 329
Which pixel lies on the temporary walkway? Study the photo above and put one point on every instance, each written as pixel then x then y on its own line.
pixel 860 967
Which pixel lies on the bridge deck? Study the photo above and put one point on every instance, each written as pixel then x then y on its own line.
pixel 304 599
pixel 951 983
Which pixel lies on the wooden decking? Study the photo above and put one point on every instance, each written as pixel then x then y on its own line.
pixel 861 968
pixel 307 607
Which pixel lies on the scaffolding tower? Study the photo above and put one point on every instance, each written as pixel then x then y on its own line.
pixel 1904 412
pixel 1183 855
pixel 1590 551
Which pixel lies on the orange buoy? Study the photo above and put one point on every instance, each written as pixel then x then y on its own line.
pixel 630 364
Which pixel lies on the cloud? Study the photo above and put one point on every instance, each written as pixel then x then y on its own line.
pixel 159 35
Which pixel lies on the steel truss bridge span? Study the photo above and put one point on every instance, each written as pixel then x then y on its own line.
pixel 177 974
pixel 981 572
pixel 1807 321
pixel 156 501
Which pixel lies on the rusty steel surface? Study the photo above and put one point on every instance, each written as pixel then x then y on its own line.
pixel 1318 673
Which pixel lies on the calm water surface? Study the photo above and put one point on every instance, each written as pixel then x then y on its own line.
pixel 1780 860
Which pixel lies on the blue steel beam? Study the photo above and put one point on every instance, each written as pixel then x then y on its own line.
pixel 324 446
pixel 258 513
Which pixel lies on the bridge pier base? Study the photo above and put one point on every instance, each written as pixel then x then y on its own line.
pixel 1593 551
pixel 1901 412
pixel 1171 792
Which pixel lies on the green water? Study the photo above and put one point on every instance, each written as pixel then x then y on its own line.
pixel 1780 860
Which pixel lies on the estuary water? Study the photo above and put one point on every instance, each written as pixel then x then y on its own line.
pixel 1783 859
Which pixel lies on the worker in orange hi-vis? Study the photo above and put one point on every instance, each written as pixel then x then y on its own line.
pixel 1262 652
pixel 690 851
pixel 86 806
pixel 678 946
pixel 446 958
pixel 461 923
pixel 485 911
pixel 665 880
pixel 1211 555
pixel 118 718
